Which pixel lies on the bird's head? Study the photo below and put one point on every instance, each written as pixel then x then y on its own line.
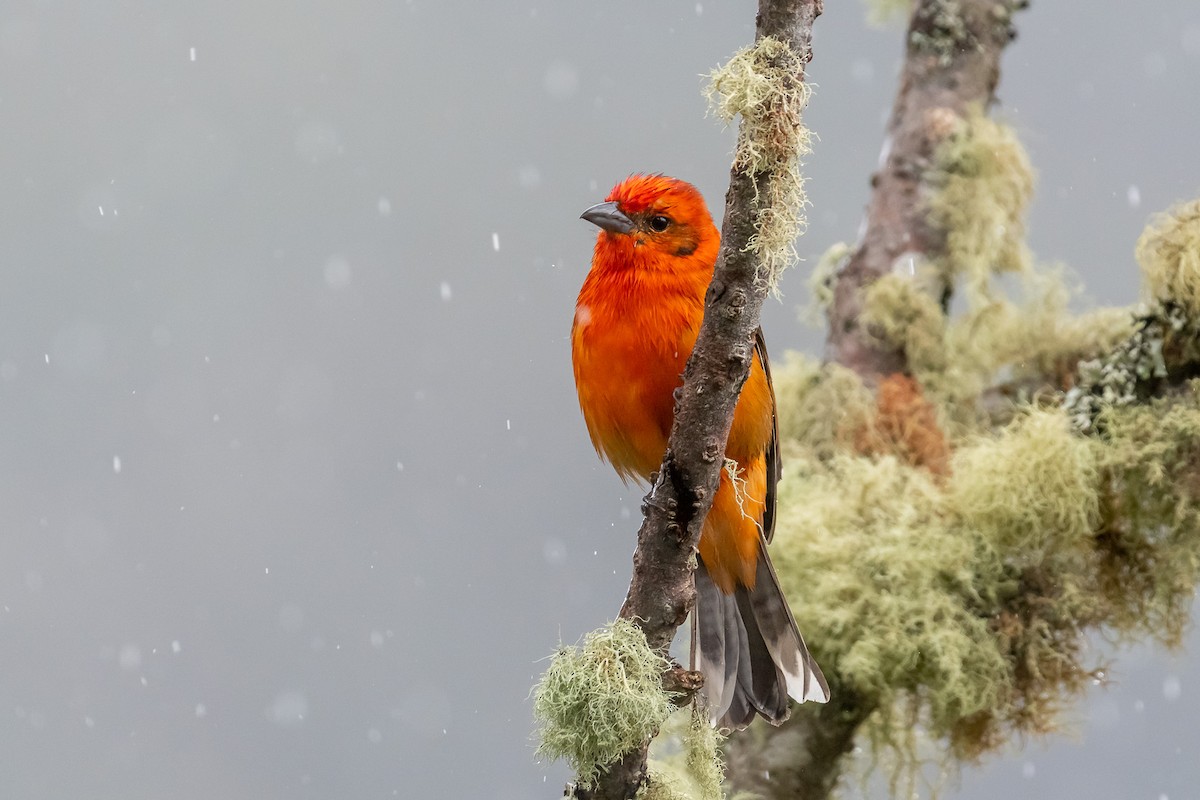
pixel 652 215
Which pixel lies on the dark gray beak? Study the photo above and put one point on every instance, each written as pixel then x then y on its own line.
pixel 608 217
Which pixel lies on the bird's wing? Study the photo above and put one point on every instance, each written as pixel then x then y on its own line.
pixel 774 463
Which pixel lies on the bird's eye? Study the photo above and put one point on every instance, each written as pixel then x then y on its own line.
pixel 659 223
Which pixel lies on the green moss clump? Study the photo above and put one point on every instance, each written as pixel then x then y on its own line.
pixel 880 584
pixel 885 12
pixel 1030 492
pixel 940 30
pixel 1150 533
pixel 822 279
pixel 685 763
pixel 823 408
pixel 599 701
pixel 1169 254
pixel 898 312
pixel 962 602
pixel 983 182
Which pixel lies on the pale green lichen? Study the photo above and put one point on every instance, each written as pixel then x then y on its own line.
pixel 823 407
pixel 899 313
pixel 961 605
pixel 1150 539
pixel 941 30
pixel 1032 343
pixel 599 701
pixel 685 761
pixel 662 787
pixel 982 182
pixel 763 85
pixel 1165 340
pixel 881 587
pixel 885 12
pixel 1169 254
pixel 1037 334
pixel 822 280
pixel 1165 335
pixel 1121 377
pixel 899 581
pixel 1029 493
pixel 1029 344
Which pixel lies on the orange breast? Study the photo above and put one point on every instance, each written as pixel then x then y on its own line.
pixel 632 336
pixel 629 352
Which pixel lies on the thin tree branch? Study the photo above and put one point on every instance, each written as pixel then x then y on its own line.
pixel 661 592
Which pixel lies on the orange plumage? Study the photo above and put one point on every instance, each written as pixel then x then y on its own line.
pixel 636 321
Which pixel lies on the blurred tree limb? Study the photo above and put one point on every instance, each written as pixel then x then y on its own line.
pixel 951 65
pixel 661 592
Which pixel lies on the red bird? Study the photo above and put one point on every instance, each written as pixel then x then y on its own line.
pixel 636 321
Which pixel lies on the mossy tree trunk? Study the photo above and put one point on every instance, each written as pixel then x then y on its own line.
pixel 951 67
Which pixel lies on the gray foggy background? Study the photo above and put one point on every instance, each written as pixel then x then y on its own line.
pixel 294 490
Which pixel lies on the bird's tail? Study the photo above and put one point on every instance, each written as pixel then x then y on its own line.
pixel 749 650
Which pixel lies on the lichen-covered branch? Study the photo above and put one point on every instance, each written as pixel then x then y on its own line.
pixel 952 65
pixel 1163 349
pixel 950 74
pixel 764 172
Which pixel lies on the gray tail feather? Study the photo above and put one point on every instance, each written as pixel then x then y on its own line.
pixel 804 679
pixel 750 651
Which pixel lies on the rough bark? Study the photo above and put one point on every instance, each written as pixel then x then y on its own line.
pixel 661 592
pixel 952 63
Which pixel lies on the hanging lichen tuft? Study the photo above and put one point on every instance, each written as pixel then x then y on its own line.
pixel 599 701
pixel 762 84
